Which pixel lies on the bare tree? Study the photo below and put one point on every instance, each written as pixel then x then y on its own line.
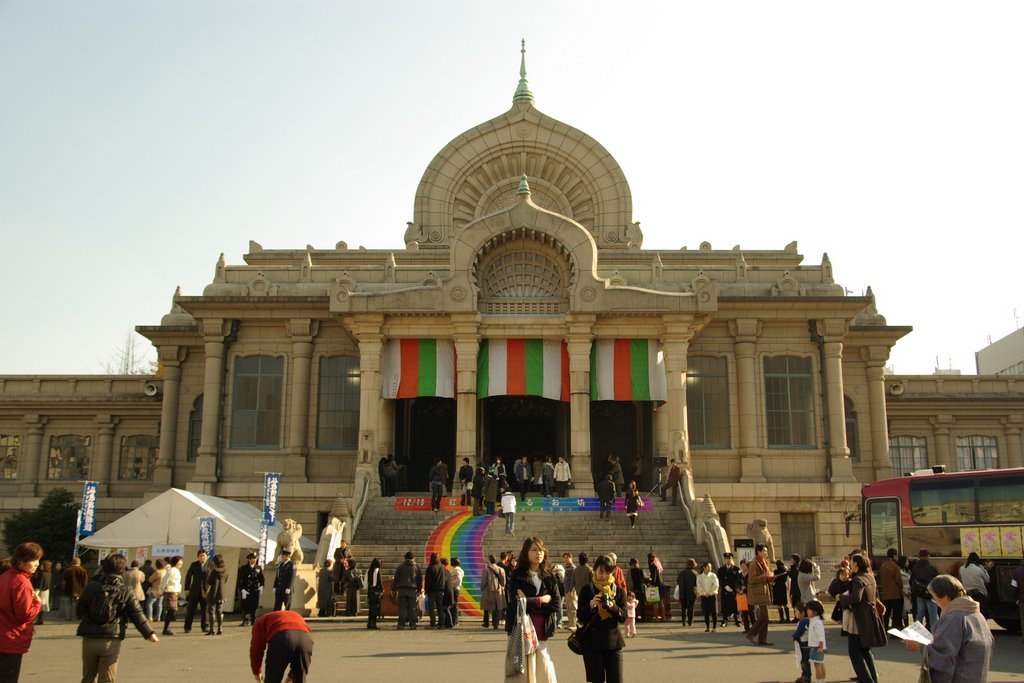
pixel 130 358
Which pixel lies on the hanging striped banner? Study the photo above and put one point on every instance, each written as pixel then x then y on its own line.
pixel 418 367
pixel 523 367
pixel 627 370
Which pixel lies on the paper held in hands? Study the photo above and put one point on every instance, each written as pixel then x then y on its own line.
pixel 916 632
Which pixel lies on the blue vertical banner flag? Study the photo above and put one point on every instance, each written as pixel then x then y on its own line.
pixel 207 535
pixel 271 484
pixel 87 520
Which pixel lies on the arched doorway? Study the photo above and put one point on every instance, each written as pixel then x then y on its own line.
pixel 514 426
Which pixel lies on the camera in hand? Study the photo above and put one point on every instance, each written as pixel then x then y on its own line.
pixel 606 600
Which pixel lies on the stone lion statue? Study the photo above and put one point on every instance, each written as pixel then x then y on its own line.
pixel 758 530
pixel 289 538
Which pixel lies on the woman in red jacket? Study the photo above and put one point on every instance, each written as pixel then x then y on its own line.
pixel 19 607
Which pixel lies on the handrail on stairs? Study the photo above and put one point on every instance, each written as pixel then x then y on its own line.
pixel 702 518
pixel 362 497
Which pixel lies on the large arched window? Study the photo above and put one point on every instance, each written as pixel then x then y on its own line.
pixel 337 424
pixel 907 454
pixel 789 401
pixel 707 402
pixel 138 456
pixel 9 447
pixel 195 429
pixel 976 452
pixel 256 402
pixel 69 457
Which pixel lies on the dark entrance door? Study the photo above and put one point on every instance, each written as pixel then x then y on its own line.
pixel 624 429
pixel 514 426
pixel 424 433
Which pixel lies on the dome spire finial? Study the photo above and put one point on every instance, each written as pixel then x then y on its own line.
pixel 524 187
pixel 523 93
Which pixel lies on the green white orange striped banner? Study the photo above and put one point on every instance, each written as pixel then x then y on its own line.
pixel 418 367
pixel 523 367
pixel 627 370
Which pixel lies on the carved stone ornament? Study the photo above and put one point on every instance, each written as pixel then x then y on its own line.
pixel 457 293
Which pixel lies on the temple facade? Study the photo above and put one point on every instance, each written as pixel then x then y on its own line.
pixel 520 316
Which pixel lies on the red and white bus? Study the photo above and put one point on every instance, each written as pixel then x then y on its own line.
pixel 952 515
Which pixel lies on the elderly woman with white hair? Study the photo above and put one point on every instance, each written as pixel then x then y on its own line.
pixel 961 651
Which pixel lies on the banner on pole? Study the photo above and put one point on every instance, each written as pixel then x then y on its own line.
pixel 207 535
pixel 271 484
pixel 87 521
pixel 262 554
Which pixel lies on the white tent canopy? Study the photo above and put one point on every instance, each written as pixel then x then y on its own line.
pixel 173 518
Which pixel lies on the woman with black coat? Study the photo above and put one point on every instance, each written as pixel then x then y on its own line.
pixel 605 603
pixel 780 596
pixel 638 583
pixel 866 630
pixel 215 593
pixel 534 579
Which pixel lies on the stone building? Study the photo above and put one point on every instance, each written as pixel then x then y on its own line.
pixel 521 316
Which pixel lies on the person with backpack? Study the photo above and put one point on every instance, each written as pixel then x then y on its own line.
pixel 104 602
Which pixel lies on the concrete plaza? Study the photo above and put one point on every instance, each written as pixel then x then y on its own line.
pixel 346 650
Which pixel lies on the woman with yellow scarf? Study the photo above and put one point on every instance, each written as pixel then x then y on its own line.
pixel 605 603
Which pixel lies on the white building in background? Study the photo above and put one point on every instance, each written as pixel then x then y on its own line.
pixel 1002 357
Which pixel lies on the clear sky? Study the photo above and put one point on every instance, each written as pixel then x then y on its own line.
pixel 139 139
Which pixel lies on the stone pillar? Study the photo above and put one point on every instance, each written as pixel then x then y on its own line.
pixel 579 340
pixel 171 358
pixel 944 455
pixel 301 332
pixel 103 467
pixel 875 357
pixel 467 347
pixel 676 345
pixel 839 454
pixel 32 468
pixel 746 333
pixel 1014 446
pixel 367 331
pixel 214 332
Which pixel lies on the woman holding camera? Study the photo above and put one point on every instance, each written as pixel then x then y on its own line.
pixel 604 603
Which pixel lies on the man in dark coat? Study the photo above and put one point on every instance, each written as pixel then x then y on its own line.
pixel 729 581
pixel 408 583
pixel 606 494
pixel 465 479
pixel 72 584
pixel 196 586
pixel 687 582
pixel 760 580
pixel 283 581
pixel 250 587
pixel 105 602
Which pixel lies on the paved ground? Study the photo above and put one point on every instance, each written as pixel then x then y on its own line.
pixel 345 649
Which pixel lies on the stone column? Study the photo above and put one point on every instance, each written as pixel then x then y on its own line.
pixel 171 358
pixel 467 348
pixel 103 467
pixel 746 333
pixel 367 331
pixel 676 345
pixel 839 454
pixel 941 426
pixel 1014 446
pixel 579 340
pixel 875 357
pixel 302 332
pixel 32 469
pixel 214 332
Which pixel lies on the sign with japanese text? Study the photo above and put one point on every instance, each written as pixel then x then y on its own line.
pixel 271 485
pixel 87 522
pixel 207 535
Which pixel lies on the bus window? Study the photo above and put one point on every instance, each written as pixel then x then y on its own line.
pixel 883 526
pixel 938 501
pixel 1001 499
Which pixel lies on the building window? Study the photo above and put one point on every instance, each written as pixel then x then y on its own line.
pixel 976 453
pixel 789 401
pixel 69 457
pixel 256 403
pixel 9 447
pixel 138 456
pixel 707 402
pixel 338 404
pixel 798 534
pixel 195 429
pixel 907 454
pixel 852 443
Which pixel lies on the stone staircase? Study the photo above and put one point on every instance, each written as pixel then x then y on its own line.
pixel 387 533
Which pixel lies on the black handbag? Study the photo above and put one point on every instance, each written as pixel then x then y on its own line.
pixel 577 639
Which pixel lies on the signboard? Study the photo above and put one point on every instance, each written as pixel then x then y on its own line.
pixel 168 550
pixel 87 521
pixel 207 535
pixel 271 485
pixel 744 549
pixel 262 558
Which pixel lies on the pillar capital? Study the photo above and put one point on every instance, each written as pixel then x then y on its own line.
pixel 745 329
pixel 214 329
pixel 106 423
pixel 302 329
pixel 833 329
pixel 942 423
pixel 172 356
pixel 35 423
pixel 875 355
pixel 678 328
